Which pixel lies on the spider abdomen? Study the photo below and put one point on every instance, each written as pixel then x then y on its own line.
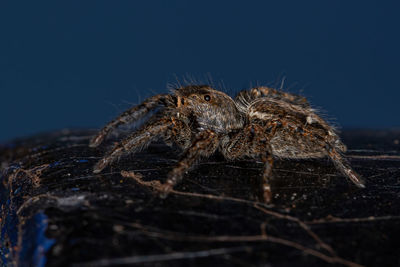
pixel 297 132
pixel 289 145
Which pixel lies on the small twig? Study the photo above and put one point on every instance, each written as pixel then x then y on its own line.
pixel 373 157
pixel 176 236
pixel 301 224
pixel 331 219
pixel 164 257
pixel 156 185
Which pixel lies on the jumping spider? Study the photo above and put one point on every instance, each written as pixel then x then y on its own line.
pixel 260 123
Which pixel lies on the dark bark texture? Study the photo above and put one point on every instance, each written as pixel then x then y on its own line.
pixel 56 212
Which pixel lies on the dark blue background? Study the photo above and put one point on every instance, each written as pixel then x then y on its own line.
pixel 80 63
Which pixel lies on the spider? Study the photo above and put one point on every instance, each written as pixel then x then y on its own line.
pixel 261 123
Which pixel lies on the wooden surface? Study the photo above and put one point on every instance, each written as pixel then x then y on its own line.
pixel 54 211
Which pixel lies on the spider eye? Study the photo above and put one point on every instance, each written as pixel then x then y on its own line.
pixel 207 97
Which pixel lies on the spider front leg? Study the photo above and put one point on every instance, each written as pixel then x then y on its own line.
pixel 205 144
pixel 128 116
pixel 136 141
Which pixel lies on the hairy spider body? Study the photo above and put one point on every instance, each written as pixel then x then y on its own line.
pixel 261 123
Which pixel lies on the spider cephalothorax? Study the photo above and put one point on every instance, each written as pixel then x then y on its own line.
pixel 260 123
pixel 209 108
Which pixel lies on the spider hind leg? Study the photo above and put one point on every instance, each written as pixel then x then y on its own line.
pixel 267 177
pixel 344 167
